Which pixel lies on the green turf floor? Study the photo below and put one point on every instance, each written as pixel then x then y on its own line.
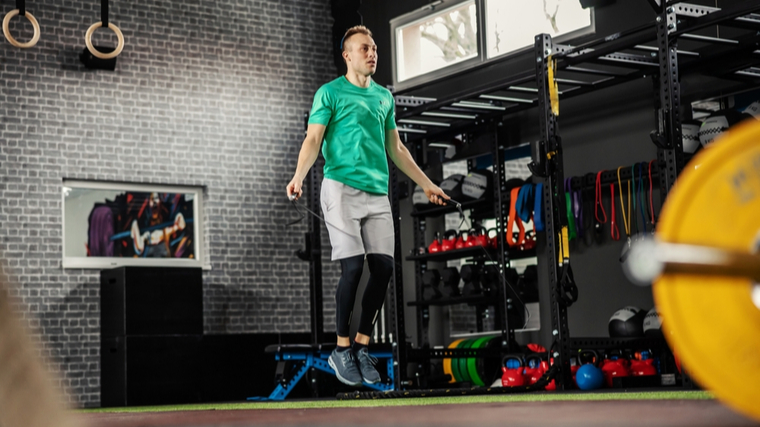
pixel 329 403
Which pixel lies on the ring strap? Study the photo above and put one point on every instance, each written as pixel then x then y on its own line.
pixel 104 12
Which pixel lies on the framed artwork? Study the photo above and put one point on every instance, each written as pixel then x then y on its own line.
pixel 113 224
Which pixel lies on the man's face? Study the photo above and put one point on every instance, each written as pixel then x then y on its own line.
pixel 361 54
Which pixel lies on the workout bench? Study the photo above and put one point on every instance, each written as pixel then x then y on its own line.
pixel 307 356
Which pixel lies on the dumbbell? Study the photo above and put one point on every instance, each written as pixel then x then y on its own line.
pixel 430 281
pixel 450 278
pixel 489 278
pixel 469 274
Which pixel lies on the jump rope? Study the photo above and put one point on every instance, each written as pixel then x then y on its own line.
pixel 450 202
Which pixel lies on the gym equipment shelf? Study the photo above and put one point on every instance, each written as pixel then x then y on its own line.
pixel 471 300
pixel 443 210
pixel 667 50
pixel 474 251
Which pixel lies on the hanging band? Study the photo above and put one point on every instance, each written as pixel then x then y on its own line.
pixel 21 10
pixel 633 220
pixel 578 211
pixel 622 205
pixel 513 218
pixel 90 31
pixel 614 231
pixel 538 208
pixel 525 202
pixel 598 200
pixel 569 210
pixel 642 201
pixel 651 205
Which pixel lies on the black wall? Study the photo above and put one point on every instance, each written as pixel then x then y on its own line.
pixel 601 130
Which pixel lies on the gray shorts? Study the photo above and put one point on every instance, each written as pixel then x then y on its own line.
pixel 358 222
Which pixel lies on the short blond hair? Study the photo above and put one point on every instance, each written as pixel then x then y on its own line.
pixel 356 29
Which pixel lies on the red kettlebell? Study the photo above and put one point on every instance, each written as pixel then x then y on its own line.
pixel 464 236
pixel 545 366
pixel 493 241
pixel 574 365
pixel 483 239
pixel 449 240
pixel 534 368
pixel 643 367
pixel 614 366
pixel 530 241
pixel 512 368
pixel 436 245
pixel 472 238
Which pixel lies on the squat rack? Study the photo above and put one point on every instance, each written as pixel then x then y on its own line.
pixel 580 70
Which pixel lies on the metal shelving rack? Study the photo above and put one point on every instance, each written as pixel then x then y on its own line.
pixel 650 50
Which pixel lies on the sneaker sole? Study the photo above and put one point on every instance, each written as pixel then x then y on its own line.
pixel 337 375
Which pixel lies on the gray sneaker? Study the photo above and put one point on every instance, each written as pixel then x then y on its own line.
pixel 344 365
pixel 367 364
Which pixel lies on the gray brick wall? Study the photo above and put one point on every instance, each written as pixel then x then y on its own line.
pixel 205 93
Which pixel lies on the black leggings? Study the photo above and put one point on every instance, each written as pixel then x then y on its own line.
pixel 380 269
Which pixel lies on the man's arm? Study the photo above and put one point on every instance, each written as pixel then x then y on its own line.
pixel 403 159
pixel 315 133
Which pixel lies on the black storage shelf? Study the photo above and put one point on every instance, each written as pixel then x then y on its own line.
pixel 603 343
pixel 440 353
pixel 442 210
pixel 471 300
pixel 474 251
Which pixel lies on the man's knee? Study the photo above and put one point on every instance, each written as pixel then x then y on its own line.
pixel 352 267
pixel 380 264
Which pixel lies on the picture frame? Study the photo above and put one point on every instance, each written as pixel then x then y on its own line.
pixel 113 224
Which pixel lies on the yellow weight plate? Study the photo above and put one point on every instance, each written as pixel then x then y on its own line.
pixel 447 362
pixel 707 318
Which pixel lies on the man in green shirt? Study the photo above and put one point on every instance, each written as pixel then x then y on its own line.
pixel 355 117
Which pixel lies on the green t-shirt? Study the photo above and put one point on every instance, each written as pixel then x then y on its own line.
pixel 356 119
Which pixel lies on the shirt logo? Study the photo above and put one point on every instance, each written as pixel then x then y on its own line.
pixel 382 102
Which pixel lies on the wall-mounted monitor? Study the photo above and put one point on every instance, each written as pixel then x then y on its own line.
pixel 114 224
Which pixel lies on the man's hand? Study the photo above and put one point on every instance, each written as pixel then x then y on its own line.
pixel 294 188
pixel 436 195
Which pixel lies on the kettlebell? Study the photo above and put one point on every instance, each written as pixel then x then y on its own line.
pixel 643 367
pixel 435 246
pixel 493 241
pixel 614 366
pixel 449 240
pixel 464 236
pixel 534 368
pixel 589 376
pixel 513 368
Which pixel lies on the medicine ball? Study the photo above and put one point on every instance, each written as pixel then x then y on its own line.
pixel 717 123
pixel 690 136
pixel 478 184
pixel 627 323
pixel 452 186
pixel 753 110
pixel 653 324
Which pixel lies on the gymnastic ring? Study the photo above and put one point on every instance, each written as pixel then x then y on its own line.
pixel 97 53
pixel 7 31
